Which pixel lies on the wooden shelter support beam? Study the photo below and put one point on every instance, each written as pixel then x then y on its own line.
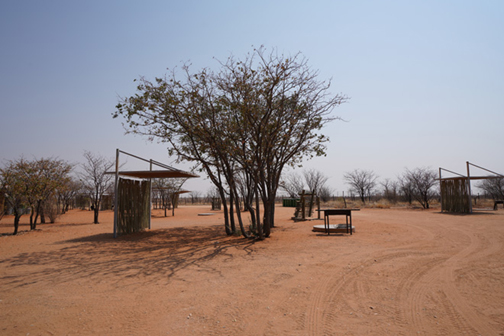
pixel 440 189
pixel 150 192
pixel 469 187
pixel 116 185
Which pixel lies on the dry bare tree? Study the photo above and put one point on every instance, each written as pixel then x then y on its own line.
pixel 195 196
pixel 362 182
pixel 406 189
pixel 390 190
pixel 423 182
pixel 293 184
pixel 167 189
pixel 2 200
pixel 94 180
pixel 325 193
pixel 67 193
pixel 315 180
pixel 494 187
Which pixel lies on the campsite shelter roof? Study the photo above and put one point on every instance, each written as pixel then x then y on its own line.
pixel 167 173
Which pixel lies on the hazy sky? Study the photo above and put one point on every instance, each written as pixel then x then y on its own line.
pixel 426 78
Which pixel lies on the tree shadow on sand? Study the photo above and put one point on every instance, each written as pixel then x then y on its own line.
pixel 149 256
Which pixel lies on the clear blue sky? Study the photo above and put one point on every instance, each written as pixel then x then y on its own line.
pixel 426 78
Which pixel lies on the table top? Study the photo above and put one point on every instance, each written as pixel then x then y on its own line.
pixel 345 209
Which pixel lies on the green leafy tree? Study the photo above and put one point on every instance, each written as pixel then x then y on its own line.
pixel 252 117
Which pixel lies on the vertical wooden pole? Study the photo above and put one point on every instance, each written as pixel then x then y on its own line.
pixel 469 187
pixel 310 209
pixel 318 206
pixel 303 211
pixel 440 190
pixel 116 192
pixel 150 196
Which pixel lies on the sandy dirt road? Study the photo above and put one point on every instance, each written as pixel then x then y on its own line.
pixel 404 272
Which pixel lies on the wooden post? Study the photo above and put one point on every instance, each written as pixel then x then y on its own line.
pixel 318 206
pixel 469 187
pixel 116 192
pixel 440 190
pixel 303 212
pixel 150 196
pixel 310 211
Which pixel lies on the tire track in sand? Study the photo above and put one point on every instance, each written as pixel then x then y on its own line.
pixel 460 314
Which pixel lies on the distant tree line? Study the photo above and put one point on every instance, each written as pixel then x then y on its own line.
pixel 419 184
pixel 40 185
pixel 47 187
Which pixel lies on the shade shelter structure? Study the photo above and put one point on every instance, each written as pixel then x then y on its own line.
pixel 132 207
pixel 456 191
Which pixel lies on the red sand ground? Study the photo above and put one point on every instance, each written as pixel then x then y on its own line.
pixel 404 272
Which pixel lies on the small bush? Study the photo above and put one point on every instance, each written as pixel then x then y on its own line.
pixel 51 210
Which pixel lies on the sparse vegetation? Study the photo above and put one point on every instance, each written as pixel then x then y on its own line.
pixel 362 182
pixel 252 118
pixel 95 182
pixel 32 184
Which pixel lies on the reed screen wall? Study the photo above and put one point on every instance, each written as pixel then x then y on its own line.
pixel 454 196
pixel 133 206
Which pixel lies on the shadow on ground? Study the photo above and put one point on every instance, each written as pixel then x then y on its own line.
pixel 150 256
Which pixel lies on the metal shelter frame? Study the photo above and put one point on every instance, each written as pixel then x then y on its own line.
pixel 166 172
pixel 467 178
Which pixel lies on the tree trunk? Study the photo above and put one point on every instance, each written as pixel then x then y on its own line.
pixel 259 226
pixel 231 212
pixel 42 215
pixel 96 212
pixel 226 213
pixel 32 212
pixel 238 213
pixel 17 216
pixel 95 221
pixel 268 222
pixel 34 225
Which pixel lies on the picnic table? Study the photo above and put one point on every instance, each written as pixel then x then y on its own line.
pixel 336 212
